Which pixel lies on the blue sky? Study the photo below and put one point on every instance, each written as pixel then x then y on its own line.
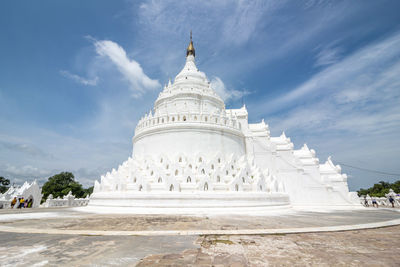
pixel 76 76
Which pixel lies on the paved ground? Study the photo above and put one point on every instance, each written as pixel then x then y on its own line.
pixel 372 247
pixel 66 250
pixel 67 219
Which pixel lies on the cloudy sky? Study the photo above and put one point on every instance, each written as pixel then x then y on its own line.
pixel 75 77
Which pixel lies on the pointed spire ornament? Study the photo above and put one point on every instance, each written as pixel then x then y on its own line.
pixel 190 50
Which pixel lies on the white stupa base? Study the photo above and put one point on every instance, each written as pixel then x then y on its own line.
pixel 187 203
pixel 192 155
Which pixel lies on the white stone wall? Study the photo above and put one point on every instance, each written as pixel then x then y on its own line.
pixel 5 204
pixel 184 173
pixel 67 201
pixel 189 139
pixel 382 201
pixel 27 191
pixel 305 180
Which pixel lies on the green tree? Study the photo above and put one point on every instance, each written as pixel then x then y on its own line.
pixel 60 184
pixel 88 191
pixel 380 189
pixel 396 187
pixel 4 184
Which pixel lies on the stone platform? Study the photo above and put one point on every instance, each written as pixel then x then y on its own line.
pixel 46 237
pixel 188 202
pixel 73 221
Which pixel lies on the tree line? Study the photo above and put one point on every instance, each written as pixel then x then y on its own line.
pixel 58 185
pixel 380 189
pixel 4 184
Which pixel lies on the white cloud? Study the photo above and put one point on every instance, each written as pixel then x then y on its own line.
pixel 21 173
pixel 79 79
pixel 243 22
pixel 350 110
pixel 327 56
pixel 27 150
pixel 268 30
pixel 236 21
pixel 92 145
pixel 219 87
pixel 359 76
pixel 233 39
pixel 130 69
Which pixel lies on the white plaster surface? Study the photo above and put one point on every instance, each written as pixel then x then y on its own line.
pixel 30 216
pixel 190 144
pixel 68 200
pixel 253 211
pixel 27 191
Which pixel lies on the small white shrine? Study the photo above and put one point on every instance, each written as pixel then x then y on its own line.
pixel 28 191
pixel 190 152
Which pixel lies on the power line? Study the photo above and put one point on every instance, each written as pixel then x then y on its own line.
pixel 369 170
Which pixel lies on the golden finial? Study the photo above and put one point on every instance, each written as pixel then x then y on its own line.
pixel 190 50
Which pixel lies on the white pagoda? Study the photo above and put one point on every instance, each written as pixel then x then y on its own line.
pixel 191 153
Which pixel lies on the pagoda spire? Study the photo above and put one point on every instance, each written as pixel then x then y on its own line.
pixel 190 50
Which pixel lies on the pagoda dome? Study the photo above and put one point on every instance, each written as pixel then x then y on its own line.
pixel 190 89
pixel 190 154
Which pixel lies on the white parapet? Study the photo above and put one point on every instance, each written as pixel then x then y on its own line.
pixel 67 201
pixel 382 201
